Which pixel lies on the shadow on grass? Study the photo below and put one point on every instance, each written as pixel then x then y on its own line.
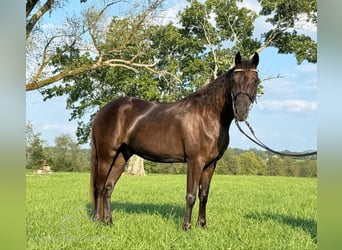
pixel 168 211
pixel 309 226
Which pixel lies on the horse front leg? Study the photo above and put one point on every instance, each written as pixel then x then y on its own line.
pixel 204 192
pixel 194 170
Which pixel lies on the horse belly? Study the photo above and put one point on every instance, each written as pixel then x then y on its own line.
pixel 158 142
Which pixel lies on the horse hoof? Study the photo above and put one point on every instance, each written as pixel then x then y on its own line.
pixel 108 222
pixel 202 223
pixel 187 227
pixel 96 218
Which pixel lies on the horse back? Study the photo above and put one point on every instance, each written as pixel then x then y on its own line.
pixel 117 116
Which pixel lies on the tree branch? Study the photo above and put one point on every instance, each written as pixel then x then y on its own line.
pixel 32 85
pixel 30 5
pixel 277 30
pixel 271 78
pixel 34 19
pixel 212 49
pixel 236 39
pixel 35 84
pixel 44 61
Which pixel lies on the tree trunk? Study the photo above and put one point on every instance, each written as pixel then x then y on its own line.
pixel 136 166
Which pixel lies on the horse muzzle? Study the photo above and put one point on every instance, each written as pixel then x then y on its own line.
pixel 241 114
pixel 242 106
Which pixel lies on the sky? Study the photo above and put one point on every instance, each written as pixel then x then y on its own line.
pixel 284 117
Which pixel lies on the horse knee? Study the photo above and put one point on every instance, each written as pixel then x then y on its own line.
pixel 203 197
pixel 190 199
pixel 108 189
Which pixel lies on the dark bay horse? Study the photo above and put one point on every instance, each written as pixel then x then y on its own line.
pixel 194 130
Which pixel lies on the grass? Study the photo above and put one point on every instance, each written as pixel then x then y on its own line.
pixel 243 212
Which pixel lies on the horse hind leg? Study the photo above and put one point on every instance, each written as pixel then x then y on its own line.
pixel 99 177
pixel 113 176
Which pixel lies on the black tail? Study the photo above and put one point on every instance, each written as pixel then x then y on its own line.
pixel 93 173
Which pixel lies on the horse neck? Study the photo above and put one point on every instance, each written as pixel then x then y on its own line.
pixel 222 99
pixel 214 98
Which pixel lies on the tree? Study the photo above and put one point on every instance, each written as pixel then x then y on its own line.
pixel 250 164
pixel 67 154
pixel 216 23
pixel 275 166
pixel 29 138
pixel 287 18
pixel 228 164
pixel 34 148
pixel 290 167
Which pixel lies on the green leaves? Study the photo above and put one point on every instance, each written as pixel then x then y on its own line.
pixel 289 18
pixel 302 46
pixel 284 13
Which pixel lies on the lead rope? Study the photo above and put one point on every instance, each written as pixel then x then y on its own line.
pixel 261 144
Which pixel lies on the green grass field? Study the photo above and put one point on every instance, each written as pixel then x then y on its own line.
pixel 243 212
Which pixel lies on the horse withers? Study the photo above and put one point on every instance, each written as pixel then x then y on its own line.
pixel 194 130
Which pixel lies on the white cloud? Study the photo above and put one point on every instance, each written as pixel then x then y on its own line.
pixel 170 14
pixel 250 4
pixel 288 105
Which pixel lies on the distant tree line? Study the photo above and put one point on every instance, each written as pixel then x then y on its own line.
pixel 67 156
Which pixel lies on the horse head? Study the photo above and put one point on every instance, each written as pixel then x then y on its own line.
pixel 244 82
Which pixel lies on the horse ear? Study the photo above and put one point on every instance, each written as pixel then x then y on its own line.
pixel 238 58
pixel 255 59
